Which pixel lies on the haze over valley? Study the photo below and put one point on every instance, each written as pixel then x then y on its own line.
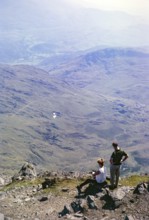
pixel 32 30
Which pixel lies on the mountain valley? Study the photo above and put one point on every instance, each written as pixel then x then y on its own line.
pixel 65 116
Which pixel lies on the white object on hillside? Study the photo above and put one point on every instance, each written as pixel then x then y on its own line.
pixel 54 115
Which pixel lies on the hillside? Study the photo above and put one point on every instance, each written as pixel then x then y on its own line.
pixel 67 116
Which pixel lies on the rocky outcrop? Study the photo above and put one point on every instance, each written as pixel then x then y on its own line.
pixel 53 198
pixel 48 182
pixel 27 171
pixel 141 188
pixel 118 204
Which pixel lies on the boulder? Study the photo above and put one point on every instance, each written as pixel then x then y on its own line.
pixel 2 181
pixel 77 206
pixel 141 188
pixel 27 171
pixel 129 217
pixel 48 183
pixel 67 210
pixel 91 202
pixel 1 216
pixel 114 199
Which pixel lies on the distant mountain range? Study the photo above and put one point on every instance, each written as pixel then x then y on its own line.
pixel 64 116
pixel 33 30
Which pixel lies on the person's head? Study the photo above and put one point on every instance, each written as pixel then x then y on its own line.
pixel 115 145
pixel 100 161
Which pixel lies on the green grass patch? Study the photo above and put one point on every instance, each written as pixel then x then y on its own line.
pixel 69 184
pixel 23 183
pixel 134 180
pixel 56 189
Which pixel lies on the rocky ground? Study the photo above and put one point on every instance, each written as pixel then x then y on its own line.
pixel 53 196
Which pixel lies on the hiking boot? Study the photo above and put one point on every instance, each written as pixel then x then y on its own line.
pixel 79 189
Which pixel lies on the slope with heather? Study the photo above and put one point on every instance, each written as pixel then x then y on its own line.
pixel 97 97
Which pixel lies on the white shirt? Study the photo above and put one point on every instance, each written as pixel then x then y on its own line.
pixel 100 178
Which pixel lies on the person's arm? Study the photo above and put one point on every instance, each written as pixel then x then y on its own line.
pixel 124 158
pixel 111 159
pixel 96 173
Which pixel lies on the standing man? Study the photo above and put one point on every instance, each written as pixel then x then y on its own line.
pixel 117 158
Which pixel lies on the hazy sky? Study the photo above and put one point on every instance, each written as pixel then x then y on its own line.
pixel 136 7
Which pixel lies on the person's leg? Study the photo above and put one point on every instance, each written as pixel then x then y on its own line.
pixel 112 175
pixel 102 185
pixel 117 176
pixel 85 183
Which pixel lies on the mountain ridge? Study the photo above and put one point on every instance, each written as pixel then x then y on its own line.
pixel 52 28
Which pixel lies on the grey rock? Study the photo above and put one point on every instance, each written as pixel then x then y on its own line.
pixel 44 198
pixel 118 194
pixel 76 206
pixel 78 215
pixel 73 217
pixel 48 183
pixel 141 188
pixel 65 189
pixel 2 216
pixel 26 172
pixel 2 181
pixel 91 202
pixel 67 210
pixel 7 218
pixel 2 195
pixel 129 217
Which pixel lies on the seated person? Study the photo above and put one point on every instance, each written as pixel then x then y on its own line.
pixel 99 177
